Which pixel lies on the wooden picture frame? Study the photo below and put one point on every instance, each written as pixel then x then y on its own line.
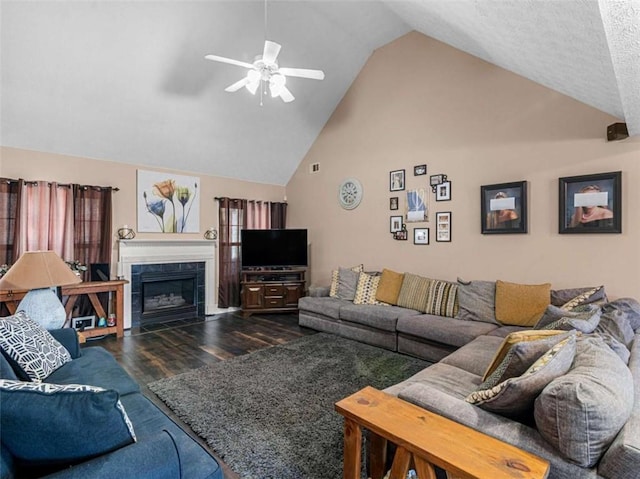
pixel 443 191
pixel 590 203
pixel 503 208
pixel 395 223
pixel 443 226
pixel 421 236
pixel 397 180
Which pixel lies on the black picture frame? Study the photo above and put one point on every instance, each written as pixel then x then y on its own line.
pixel 503 208
pixel 443 226
pixel 419 170
pixel 599 203
pixel 443 191
pixel 393 203
pixel 397 180
pixel 421 236
pixel 395 223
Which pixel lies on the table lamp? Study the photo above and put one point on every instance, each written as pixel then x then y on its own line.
pixel 39 272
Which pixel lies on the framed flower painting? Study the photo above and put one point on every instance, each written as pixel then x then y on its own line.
pixel 168 203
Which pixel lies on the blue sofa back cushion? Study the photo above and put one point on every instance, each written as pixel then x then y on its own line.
pixel 62 425
pixel 6 370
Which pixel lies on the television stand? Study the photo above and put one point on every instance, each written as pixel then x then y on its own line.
pixel 272 290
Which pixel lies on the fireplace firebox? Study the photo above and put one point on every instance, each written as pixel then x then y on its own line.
pixel 166 292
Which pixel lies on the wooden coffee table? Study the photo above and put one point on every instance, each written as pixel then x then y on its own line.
pixel 431 440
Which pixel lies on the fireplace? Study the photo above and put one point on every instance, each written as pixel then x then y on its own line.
pixel 154 255
pixel 166 292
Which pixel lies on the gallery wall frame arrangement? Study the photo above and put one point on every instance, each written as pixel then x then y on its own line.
pixel 443 191
pixel 443 226
pixel 435 180
pixel 503 208
pixel 397 180
pixel 417 205
pixel 590 203
pixel 167 203
pixel 421 236
pixel 395 223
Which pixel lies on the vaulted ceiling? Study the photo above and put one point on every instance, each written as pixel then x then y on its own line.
pixel 127 80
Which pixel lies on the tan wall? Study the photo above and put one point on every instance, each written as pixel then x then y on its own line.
pixel 33 165
pixel 419 101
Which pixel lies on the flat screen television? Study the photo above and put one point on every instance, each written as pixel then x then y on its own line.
pixel 274 248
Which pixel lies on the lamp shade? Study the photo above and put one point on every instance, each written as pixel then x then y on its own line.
pixel 38 269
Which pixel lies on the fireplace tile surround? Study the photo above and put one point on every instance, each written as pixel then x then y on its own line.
pixel 166 252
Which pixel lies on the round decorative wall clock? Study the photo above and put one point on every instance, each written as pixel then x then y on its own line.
pixel 350 193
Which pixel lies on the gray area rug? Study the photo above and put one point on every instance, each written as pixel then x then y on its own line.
pixel 270 414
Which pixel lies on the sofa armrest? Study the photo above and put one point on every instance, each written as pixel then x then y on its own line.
pixel 494 425
pixel 154 458
pixel 318 291
pixel 68 337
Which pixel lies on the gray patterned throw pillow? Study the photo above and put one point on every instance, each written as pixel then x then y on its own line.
pixel 31 347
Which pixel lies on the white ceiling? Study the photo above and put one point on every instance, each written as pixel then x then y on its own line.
pixel 127 80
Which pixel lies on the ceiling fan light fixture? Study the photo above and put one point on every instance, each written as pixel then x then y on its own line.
pixel 276 83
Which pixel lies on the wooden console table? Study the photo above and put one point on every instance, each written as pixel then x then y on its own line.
pixel 431 440
pixel 72 292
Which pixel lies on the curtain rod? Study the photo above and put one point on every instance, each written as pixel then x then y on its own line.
pixel 67 185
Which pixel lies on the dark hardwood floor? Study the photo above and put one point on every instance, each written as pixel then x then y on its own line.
pixel 171 348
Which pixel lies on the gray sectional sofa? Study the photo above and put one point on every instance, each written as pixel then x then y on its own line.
pixel 586 422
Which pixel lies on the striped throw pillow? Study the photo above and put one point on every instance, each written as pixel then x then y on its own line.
pixel 413 292
pixel 442 298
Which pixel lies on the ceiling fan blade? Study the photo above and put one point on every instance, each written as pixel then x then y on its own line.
pixel 237 85
pixel 217 58
pixel 302 73
pixel 270 53
pixel 286 95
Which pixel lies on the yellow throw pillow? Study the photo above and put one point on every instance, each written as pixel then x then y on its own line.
pixel 521 304
pixel 389 286
pixel 333 290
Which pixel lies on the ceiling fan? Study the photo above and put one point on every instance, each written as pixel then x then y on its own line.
pixel 265 69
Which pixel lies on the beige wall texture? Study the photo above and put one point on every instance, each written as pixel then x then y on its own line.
pixel 420 101
pixel 33 165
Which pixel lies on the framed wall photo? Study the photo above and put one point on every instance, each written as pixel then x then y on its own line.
pixel 504 208
pixel 591 203
pixel 417 209
pixel 419 170
pixel 420 235
pixel 393 203
pixel 443 191
pixel 395 223
pixel 443 226
pixel 396 180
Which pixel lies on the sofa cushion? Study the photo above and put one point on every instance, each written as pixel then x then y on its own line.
pixel 516 395
pixel 615 323
pixel 413 293
pixel 477 300
pixel 35 352
pixel 63 424
pixel 518 352
pixel 581 412
pixel 375 316
pixel 96 367
pixel 325 306
pixel 583 320
pixel 6 371
pixel 449 379
pixel 521 304
pixel 451 331
pixel 389 286
pixel 442 298
pixel 630 307
pixel 560 297
pixel 335 275
pixel 366 289
pixel 476 355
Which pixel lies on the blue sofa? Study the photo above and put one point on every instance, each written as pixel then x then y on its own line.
pixel 162 449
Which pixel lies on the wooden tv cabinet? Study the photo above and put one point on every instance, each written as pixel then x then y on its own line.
pixel 272 290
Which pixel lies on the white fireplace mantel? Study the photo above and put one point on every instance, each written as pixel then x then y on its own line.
pixel 131 252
